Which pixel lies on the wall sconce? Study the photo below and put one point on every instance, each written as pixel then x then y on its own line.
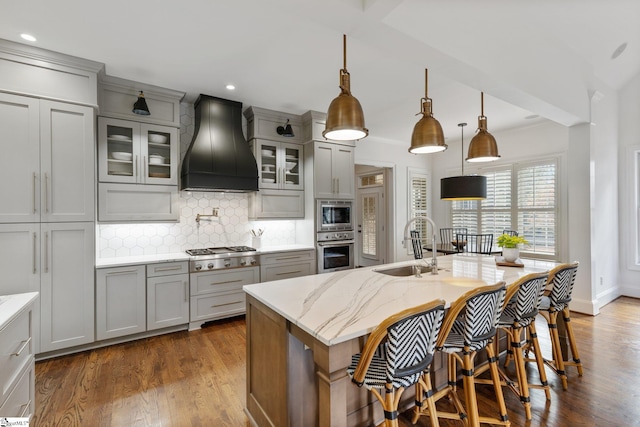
pixel 345 119
pixel 140 106
pixel 285 130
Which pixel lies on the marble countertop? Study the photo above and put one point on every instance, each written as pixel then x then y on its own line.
pixel 336 307
pixel 183 256
pixel 12 305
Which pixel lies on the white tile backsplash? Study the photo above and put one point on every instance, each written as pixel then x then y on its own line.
pixel 232 228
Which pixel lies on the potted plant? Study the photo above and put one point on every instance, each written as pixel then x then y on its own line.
pixel 510 246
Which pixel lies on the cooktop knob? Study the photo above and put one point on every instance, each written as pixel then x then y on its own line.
pixel 198 267
pixel 210 265
pixel 227 263
pixel 253 261
pixel 243 262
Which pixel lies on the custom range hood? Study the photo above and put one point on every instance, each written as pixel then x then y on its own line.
pixel 219 158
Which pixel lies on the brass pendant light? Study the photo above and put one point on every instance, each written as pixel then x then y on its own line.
pixel 483 146
pixel 345 119
pixel 463 187
pixel 427 134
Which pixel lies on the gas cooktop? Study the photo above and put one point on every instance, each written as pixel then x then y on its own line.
pixel 219 250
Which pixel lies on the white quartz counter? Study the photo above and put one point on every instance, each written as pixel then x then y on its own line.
pixel 183 256
pixel 336 307
pixel 12 305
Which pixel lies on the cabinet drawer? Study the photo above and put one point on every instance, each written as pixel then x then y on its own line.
pixel 223 281
pixel 278 272
pixel 166 268
pixel 217 306
pixel 20 402
pixel 17 351
pixel 287 257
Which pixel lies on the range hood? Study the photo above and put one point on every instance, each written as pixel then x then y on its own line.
pixel 219 158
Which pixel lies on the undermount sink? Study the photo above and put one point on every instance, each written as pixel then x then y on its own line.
pixel 405 270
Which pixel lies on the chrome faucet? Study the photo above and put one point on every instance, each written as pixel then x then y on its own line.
pixel 434 258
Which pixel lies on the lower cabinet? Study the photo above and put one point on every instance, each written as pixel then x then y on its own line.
pixel 219 294
pixel 285 265
pixel 140 298
pixel 120 301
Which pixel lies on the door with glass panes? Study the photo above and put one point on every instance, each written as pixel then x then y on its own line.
pixel 370 224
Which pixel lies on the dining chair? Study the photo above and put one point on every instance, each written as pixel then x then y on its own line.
pixel 476 243
pixel 416 241
pixel 397 355
pixel 447 235
pixel 518 321
pixel 510 232
pixel 468 327
pixel 555 301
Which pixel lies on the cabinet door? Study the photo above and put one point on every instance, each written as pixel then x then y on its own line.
pixel 20 159
pixel 323 180
pixel 270 169
pixel 159 153
pixel 120 301
pixel 292 166
pixel 67 149
pixel 343 169
pixel 19 258
pixel 167 301
pixel 67 283
pixel 268 204
pixel 118 150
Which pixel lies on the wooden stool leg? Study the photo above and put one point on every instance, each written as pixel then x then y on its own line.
pixel 497 385
pixel 557 351
pixel 572 340
pixel 533 338
pixel 470 389
pixel 523 384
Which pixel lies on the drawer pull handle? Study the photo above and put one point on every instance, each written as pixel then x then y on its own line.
pixel 26 407
pixel 222 305
pixel 24 345
pixel 224 283
pixel 122 272
pixel 169 268
pixel 289 272
pixel 287 257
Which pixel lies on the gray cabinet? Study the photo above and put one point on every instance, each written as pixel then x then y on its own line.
pixel 67 285
pixel 167 294
pixel 137 202
pixel 47 172
pixel 286 265
pixel 120 301
pixel 333 170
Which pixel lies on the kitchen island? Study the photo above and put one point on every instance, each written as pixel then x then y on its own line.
pixel 302 332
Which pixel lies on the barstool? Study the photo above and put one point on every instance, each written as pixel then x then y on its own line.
pixel 468 327
pixel 558 295
pixel 399 361
pixel 519 314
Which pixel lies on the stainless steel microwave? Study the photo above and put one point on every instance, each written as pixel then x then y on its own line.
pixel 334 215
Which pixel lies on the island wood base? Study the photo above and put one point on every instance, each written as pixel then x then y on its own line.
pixel 294 380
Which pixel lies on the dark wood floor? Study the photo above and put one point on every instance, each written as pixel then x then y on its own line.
pixel 198 379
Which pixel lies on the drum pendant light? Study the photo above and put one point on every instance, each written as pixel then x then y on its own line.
pixel 464 187
pixel 427 134
pixel 345 119
pixel 483 146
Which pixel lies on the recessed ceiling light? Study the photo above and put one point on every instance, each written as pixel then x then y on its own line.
pixel 28 37
pixel 619 50
pixel 230 87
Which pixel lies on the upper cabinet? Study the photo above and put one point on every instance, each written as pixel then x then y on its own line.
pixel 330 164
pixel 137 153
pixel 47 173
pixel 280 165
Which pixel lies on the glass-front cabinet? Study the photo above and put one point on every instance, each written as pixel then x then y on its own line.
pixel 279 164
pixel 132 152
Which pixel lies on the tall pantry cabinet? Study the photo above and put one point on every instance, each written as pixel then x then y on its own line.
pixel 47 195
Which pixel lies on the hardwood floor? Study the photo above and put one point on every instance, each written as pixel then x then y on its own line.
pixel 198 379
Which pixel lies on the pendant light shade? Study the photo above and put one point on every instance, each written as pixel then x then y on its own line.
pixel 427 134
pixel 345 119
pixel 483 146
pixel 464 187
pixel 140 106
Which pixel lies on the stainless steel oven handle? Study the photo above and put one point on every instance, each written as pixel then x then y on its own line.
pixel 336 243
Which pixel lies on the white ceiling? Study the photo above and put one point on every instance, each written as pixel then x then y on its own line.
pixel 541 57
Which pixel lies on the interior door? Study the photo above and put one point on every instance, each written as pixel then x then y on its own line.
pixel 371 233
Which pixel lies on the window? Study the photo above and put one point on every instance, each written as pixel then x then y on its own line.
pixel 521 197
pixel 418 203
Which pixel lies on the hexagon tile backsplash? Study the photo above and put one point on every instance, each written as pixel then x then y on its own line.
pixel 232 228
